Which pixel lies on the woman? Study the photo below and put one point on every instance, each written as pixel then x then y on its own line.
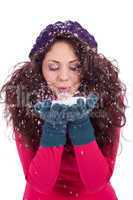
pixel 67 151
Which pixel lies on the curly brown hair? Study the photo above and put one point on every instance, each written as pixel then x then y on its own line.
pixel 27 85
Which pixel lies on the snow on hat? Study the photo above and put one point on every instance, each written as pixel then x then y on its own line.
pixel 74 29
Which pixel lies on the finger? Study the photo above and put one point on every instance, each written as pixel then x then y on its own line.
pixel 91 101
pixel 62 115
pixel 80 102
pixel 73 108
pixel 38 107
pixel 56 107
pixel 73 113
pixel 50 116
pixel 46 105
pixel 70 116
pixel 64 109
pixel 81 105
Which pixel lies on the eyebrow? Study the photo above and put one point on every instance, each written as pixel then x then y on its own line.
pixel 59 62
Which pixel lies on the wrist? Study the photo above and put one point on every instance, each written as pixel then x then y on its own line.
pixel 81 132
pixel 53 135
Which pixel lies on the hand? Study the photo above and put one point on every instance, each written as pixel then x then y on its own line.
pixel 54 128
pixel 80 128
pixel 81 110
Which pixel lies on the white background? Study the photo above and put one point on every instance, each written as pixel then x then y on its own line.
pixel 111 24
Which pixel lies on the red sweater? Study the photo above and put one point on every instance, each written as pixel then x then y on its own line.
pixel 68 172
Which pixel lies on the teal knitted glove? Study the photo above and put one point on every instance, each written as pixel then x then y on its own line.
pixel 54 128
pixel 80 128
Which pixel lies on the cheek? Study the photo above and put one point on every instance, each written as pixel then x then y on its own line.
pixel 75 78
pixel 49 77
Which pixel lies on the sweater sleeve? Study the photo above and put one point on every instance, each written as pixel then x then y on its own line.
pixel 41 167
pixel 96 169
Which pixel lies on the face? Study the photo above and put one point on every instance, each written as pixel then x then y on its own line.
pixel 60 69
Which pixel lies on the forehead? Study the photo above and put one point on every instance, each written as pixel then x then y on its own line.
pixel 61 50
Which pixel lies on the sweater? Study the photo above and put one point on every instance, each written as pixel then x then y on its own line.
pixel 69 172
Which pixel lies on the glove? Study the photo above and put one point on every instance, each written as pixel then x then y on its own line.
pixel 54 128
pixel 80 128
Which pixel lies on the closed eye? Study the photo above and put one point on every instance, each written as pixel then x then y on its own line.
pixel 52 67
pixel 75 67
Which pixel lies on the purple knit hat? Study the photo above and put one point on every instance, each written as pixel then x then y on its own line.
pixel 73 29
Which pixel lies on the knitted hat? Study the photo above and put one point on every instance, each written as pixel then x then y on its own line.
pixel 70 28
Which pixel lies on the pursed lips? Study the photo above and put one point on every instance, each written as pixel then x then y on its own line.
pixel 63 89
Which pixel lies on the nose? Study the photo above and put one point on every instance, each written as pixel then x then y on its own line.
pixel 64 75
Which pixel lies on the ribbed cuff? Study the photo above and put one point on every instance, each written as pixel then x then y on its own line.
pixel 81 132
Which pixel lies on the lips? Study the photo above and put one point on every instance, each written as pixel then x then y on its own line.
pixel 64 89
pixel 63 92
